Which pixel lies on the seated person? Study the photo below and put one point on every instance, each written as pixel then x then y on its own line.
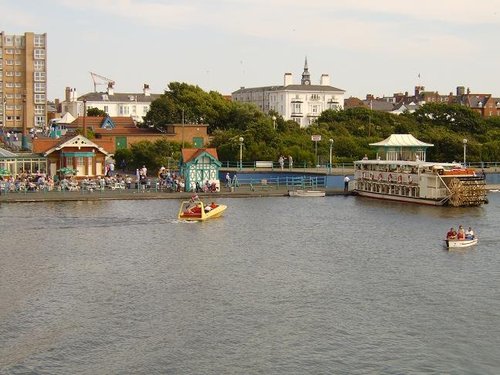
pixel 208 208
pixel 469 234
pixel 461 233
pixel 451 235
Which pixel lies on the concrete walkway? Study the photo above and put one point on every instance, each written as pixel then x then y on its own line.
pixel 54 196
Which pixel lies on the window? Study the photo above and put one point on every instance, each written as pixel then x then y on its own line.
pixel 18 62
pixel 9 62
pixel 39 53
pixel 39 65
pixel 39 77
pixel 39 87
pixel 145 109
pixel 39 98
pixel 124 110
pixel 39 109
pixel 9 51
pixel 19 74
pixel 9 74
pixel 106 109
pixel 39 41
pixel 40 120
pixel 296 108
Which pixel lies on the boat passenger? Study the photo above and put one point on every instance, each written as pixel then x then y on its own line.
pixel 451 235
pixel 461 233
pixel 208 208
pixel 469 234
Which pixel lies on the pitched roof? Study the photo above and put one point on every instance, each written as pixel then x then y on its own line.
pixel 318 88
pixel 119 97
pixel 6 153
pixel 189 154
pixel 400 140
pixel 76 141
pixel 96 122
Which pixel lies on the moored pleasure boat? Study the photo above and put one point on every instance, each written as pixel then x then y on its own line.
pixel 195 210
pixel 306 193
pixel 405 176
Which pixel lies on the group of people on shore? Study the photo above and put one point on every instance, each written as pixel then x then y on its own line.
pixel 461 234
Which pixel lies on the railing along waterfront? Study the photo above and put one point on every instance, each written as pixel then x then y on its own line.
pixel 156 185
pixel 275 166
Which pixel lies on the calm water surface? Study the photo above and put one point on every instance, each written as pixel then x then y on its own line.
pixel 339 285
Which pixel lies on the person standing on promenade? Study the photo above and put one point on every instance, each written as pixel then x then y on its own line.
pixel 281 161
pixel 346 183
pixel 228 180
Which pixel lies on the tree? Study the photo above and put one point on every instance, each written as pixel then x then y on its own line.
pixel 92 111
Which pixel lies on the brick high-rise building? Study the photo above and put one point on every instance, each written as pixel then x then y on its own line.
pixel 23 81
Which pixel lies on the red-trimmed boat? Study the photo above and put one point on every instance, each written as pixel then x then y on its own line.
pixel 195 210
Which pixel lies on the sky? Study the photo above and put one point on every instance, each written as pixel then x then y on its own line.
pixel 367 47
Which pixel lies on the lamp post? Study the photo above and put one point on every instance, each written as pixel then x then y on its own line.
pixel 24 136
pixel 182 127
pixel 241 152
pixel 464 141
pixel 84 125
pixel 274 122
pixel 331 148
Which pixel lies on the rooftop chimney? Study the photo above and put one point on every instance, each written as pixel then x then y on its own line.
pixel 288 80
pixel 145 90
pixel 324 80
pixel 110 88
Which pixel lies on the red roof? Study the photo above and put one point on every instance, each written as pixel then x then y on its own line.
pixel 189 154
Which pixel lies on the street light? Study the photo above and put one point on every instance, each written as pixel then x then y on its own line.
pixel 464 141
pixel 274 122
pixel 331 148
pixel 241 152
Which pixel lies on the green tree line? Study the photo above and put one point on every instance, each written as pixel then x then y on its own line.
pixel 352 130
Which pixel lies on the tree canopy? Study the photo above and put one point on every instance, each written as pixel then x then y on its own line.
pixel 352 130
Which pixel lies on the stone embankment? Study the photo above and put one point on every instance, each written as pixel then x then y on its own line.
pixel 242 192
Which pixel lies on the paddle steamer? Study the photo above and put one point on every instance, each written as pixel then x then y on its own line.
pixel 400 173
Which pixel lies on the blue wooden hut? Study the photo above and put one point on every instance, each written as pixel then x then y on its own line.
pixel 199 165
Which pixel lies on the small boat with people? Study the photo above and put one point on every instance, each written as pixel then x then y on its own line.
pixel 306 193
pixel 196 210
pixel 461 238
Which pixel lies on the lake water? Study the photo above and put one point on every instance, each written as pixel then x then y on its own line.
pixel 335 285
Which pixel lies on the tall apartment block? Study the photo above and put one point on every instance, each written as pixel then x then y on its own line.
pixel 23 81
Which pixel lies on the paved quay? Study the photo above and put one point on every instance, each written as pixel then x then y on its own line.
pixel 54 196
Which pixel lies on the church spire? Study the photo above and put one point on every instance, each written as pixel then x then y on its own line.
pixel 306 77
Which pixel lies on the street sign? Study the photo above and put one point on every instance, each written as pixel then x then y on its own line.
pixel 315 138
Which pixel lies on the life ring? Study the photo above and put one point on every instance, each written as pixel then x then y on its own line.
pixel 380 176
pixel 389 178
pixel 410 180
pixel 400 179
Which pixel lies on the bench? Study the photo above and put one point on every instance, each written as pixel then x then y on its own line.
pixel 263 185
pixel 263 164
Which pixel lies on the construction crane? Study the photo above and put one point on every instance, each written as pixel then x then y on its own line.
pixel 101 80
